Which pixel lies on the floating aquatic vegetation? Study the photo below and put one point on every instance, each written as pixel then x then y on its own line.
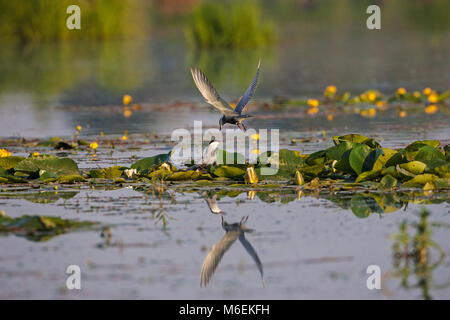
pixel 353 161
pixel 39 228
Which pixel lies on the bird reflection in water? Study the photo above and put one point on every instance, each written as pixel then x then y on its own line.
pixel 233 231
pixel 211 201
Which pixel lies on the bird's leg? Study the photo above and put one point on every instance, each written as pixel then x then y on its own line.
pixel 243 126
pixel 220 126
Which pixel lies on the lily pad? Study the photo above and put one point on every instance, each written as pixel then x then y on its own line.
pixel 149 163
pixel 357 138
pixel 229 172
pixel 10 162
pixel 362 158
pixel 415 167
pixel 59 166
pixel 387 182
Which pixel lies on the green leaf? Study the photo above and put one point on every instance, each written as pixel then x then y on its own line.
pixel 387 182
pixel 362 158
pixel 149 163
pixel 71 179
pixel 228 172
pixel 356 138
pixel 368 175
pixel 10 162
pixel 336 152
pixel 182 175
pixel 59 166
pixel 6 177
pixel 442 183
pixel 415 167
pixel 443 170
pixel 428 153
pixel 344 164
pixel 384 158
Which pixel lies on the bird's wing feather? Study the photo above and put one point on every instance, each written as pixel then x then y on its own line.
pixel 249 93
pixel 252 253
pixel 210 93
pixel 214 256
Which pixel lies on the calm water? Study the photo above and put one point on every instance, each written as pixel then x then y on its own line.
pixel 312 247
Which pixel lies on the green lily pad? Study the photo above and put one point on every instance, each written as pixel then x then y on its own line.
pixel 71 179
pixel 368 175
pixel 6 177
pixel 362 158
pixel 387 182
pixel 229 172
pixel 182 175
pixel 149 163
pixel 415 167
pixel 442 183
pixel 10 162
pixel 59 166
pixel 383 158
pixel 357 138
pixel 421 179
pixel 428 153
pixel 443 171
pixel 336 152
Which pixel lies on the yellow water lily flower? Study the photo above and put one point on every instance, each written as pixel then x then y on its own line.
pixel 79 128
pixel 381 104
pixel 313 103
pixel 401 91
pixel 330 117
pixel 127 99
pixel 313 110
pixel 330 91
pixel 433 98
pixel 432 108
pixel 4 153
pixel 124 138
pixel 35 154
pixel 417 94
pixel 402 114
pixel 93 145
pixel 127 113
pixel 372 96
pixel 427 91
pixel 369 113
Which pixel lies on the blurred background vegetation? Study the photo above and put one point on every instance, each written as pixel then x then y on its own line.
pixel 137 45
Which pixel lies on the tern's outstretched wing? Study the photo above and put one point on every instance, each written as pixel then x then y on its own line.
pixel 215 255
pixel 209 92
pixel 252 253
pixel 249 93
